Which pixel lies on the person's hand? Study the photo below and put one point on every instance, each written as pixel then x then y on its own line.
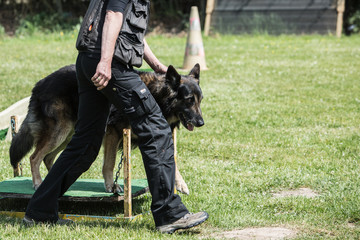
pixel 102 75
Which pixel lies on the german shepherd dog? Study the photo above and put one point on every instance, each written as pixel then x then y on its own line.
pixel 52 114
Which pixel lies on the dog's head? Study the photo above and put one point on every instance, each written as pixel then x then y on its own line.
pixel 188 97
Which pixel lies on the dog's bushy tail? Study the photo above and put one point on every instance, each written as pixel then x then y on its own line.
pixel 21 144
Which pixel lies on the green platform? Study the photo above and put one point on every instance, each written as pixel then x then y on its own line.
pixel 81 190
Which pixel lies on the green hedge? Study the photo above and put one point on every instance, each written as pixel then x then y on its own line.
pixel 3 133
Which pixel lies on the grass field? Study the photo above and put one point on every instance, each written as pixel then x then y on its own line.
pixel 280 113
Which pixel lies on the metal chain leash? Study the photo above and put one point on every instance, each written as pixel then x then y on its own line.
pixel 117 175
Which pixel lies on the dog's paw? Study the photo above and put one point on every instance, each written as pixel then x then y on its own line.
pixel 108 188
pixel 36 186
pixel 182 187
pixel 117 189
pixel 113 188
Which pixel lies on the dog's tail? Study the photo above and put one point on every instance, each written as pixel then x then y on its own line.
pixel 21 144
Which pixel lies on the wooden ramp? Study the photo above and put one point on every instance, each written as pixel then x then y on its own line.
pixel 83 190
pixel 86 190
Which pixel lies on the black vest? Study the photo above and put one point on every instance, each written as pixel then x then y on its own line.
pixel 129 47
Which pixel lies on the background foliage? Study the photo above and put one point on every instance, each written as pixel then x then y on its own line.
pixel 170 15
pixel 352 16
pixel 52 15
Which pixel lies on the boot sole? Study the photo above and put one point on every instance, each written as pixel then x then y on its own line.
pixel 187 227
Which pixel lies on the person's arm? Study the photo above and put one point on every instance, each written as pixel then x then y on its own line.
pixel 111 30
pixel 152 60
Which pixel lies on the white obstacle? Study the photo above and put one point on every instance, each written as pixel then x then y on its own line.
pixel 18 109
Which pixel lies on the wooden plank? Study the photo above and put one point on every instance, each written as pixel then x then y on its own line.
pixel 127 172
pixel 14 128
pixel 14 124
pixel 210 5
pixel 174 136
pixel 74 217
pixel 340 16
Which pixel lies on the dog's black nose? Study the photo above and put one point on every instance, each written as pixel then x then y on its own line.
pixel 200 122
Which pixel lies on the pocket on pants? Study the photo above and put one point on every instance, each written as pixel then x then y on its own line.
pixel 137 101
pixel 145 97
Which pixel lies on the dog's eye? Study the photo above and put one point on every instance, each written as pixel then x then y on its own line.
pixel 190 100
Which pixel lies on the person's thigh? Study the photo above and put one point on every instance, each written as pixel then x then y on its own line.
pixel 93 105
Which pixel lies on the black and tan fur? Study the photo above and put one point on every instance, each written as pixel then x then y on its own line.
pixel 52 113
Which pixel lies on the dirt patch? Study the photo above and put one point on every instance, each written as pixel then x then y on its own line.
pixel 301 192
pixel 351 225
pixel 265 233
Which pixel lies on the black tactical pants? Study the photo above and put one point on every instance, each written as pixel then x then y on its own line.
pixel 129 94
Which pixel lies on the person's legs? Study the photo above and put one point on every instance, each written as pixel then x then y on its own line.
pixel 131 96
pixel 79 153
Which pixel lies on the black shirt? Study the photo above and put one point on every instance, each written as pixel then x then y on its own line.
pixel 111 5
pixel 117 5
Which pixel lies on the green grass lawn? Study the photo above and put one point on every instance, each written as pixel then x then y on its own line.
pixel 280 113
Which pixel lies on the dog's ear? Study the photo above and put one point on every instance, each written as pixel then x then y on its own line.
pixel 195 72
pixel 173 77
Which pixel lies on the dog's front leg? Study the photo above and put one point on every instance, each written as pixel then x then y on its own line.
pixel 111 143
pixel 180 184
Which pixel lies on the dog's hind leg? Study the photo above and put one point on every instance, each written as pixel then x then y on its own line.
pixel 41 150
pixel 111 144
pixel 50 157
pixel 47 147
